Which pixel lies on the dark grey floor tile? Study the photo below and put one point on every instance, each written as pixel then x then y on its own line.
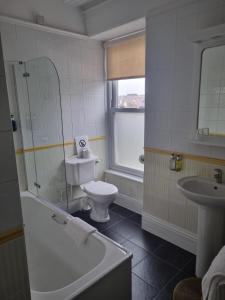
pixel 136 218
pixel 84 215
pixel 114 219
pixel 127 228
pixel 115 236
pixel 155 272
pixel 122 211
pixel 173 254
pixel 138 253
pixel 146 240
pixel 141 290
pixel 163 295
pixel 112 206
pixel 190 267
pixel 156 263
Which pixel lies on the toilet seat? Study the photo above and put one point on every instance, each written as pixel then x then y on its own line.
pixel 100 188
pixel 101 195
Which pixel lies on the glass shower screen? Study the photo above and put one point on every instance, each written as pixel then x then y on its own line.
pixel 42 130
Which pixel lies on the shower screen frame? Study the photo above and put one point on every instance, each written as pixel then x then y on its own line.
pixel 41 86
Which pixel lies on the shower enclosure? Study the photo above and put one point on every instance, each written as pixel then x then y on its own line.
pixel 41 129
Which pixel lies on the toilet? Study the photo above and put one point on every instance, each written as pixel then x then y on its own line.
pixel 81 172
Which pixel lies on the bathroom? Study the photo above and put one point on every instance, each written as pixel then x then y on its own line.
pixel 63 64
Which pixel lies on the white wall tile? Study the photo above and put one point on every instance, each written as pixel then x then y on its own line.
pixel 161 196
pixel 76 86
pixel 80 67
pixel 177 205
pixel 67 117
pixel 183 121
pixel 161 89
pixel 157 206
pixel 158 138
pixel 126 186
pixel 9 36
pixel 160 120
pixel 170 89
pixel 162 38
pixel 171 116
pixel 20 163
pixel 180 141
pixel 26 44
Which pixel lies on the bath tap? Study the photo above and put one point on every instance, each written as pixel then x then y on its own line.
pixel 219 175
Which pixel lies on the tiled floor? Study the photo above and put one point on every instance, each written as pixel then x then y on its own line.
pixel 157 265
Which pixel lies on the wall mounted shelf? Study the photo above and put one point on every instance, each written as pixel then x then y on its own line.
pixel 45 28
pixel 209 33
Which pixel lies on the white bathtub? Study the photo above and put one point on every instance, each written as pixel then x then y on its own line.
pixel 60 270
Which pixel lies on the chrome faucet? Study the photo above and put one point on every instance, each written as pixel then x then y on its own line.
pixel 219 175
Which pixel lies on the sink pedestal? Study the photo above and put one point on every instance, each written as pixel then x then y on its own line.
pixel 210 198
pixel 211 236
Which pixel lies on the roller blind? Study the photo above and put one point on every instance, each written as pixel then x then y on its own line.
pixel 126 59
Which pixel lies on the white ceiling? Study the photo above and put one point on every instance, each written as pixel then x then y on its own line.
pixel 123 30
pixel 84 4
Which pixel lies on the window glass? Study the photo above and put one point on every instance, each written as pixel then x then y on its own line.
pixel 131 93
pixel 129 139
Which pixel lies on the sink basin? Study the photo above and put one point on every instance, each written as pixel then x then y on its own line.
pixel 202 191
pixel 210 198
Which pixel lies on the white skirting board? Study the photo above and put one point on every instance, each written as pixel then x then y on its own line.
pixel 169 232
pixel 129 203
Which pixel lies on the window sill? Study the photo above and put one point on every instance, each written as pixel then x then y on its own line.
pixel 125 175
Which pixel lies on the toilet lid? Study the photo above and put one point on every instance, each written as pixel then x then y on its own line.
pixel 100 188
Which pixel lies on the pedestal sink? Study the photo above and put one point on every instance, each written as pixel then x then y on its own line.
pixel 210 197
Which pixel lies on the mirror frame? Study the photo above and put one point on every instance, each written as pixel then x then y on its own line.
pixel 204 39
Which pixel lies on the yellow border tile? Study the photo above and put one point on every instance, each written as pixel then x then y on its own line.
pixel 11 235
pixel 205 159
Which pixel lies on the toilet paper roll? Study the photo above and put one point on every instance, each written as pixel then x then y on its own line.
pixel 85 153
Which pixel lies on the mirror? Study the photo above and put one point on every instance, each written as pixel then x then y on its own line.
pixel 211 117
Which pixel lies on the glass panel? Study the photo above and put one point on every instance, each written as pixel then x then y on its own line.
pixel 212 91
pixel 23 139
pixel 131 93
pixel 129 139
pixel 46 120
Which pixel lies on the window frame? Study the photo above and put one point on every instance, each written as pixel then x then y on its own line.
pixel 112 100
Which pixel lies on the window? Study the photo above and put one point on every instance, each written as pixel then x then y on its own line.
pixel 126 95
pixel 131 93
pixel 127 124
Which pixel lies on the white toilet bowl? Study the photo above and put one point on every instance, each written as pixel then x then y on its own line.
pixel 101 195
pixel 81 172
